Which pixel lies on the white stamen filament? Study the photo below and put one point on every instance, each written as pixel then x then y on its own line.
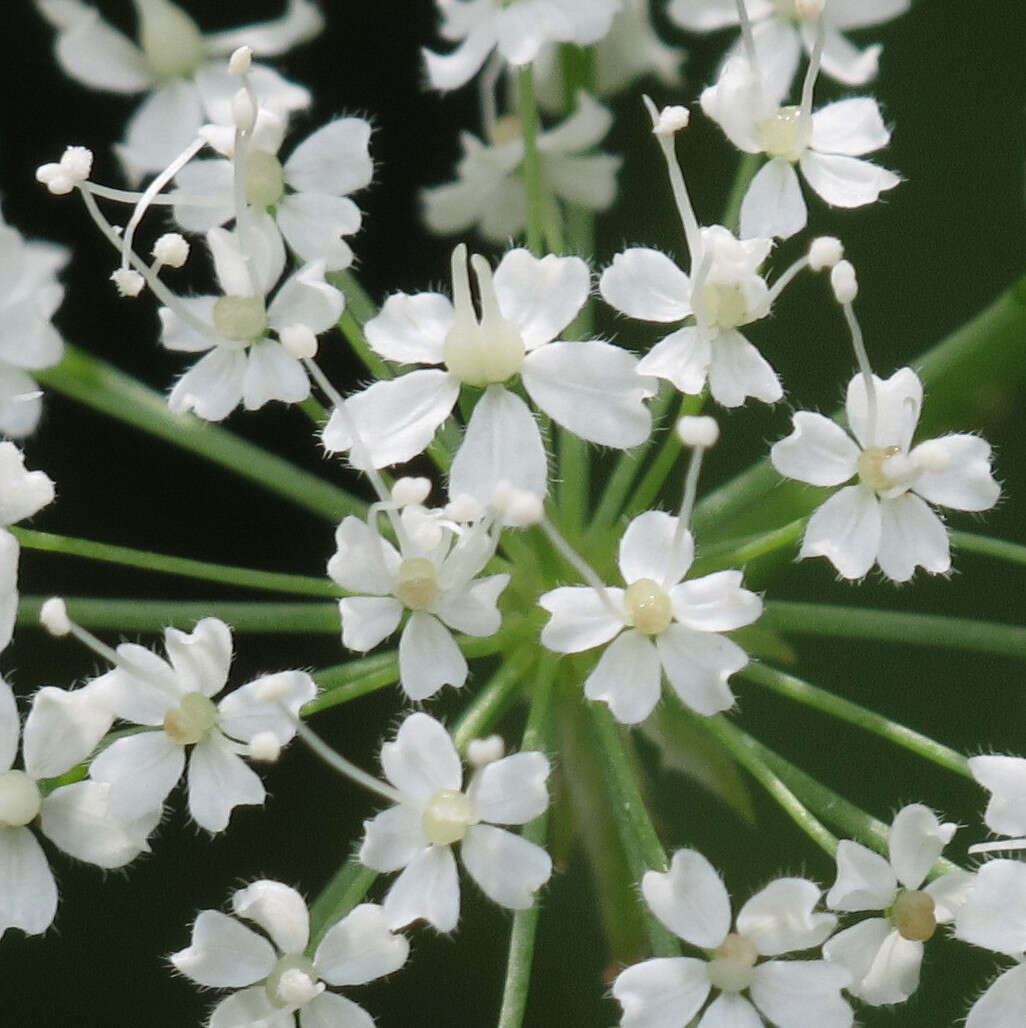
pixel 859 346
pixel 687 506
pixel 786 277
pixel 748 37
pixel 811 73
pixel 581 566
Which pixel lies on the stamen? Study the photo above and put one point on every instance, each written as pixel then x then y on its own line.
pixel 699 433
pixel 811 73
pixel 748 37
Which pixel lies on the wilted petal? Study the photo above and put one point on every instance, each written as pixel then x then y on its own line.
pixel 422 759
pixel 846 530
pixel 911 536
pixel 690 899
pixel 224 953
pixel 646 284
pixel 509 869
pixel 28 893
pixel 818 451
pixel 780 918
pixel 219 781
pixel 429 888
pixel 627 677
pixel 661 993
pixel 279 910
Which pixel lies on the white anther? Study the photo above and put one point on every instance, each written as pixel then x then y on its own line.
pixel 53 616
pixel 843 282
pixel 75 165
pixel 698 431
pixel 481 752
pixel 128 282
pixel 240 61
pixel 409 490
pixel 671 119
pixel 825 252
pixel 298 341
pixel 171 249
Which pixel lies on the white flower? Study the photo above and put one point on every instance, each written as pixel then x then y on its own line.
pixel 306 196
pixel 174 697
pixel 994 917
pixel 725 291
pixel 659 623
pixel 780 30
pixel 434 578
pixel 1005 778
pixel 489 191
pixel 244 363
pixel 29 296
pixel 691 901
pixel 517 28
pixel 183 71
pixel 825 144
pixel 884 518
pixel 60 731
pixel 590 388
pixel 435 813
pixel 274 976
pixel 884 954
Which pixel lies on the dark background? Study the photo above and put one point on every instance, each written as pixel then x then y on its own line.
pixel 953 85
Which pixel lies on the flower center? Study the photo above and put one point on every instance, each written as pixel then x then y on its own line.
pixel 418 583
pixel 648 607
pixel 724 306
pixel 914 915
pixel 170 39
pixel 191 719
pixel 785 134
pixel 19 799
pixel 265 179
pixel 730 969
pixel 446 818
pixel 486 352
pixel 293 982
pixel 871 468
pixel 240 318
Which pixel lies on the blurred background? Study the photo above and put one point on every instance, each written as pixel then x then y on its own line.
pixel 931 254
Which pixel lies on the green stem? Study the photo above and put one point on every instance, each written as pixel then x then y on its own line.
pixel 898 627
pixel 999 549
pixel 355 678
pixel 103 387
pixel 869 720
pixel 147 561
pixel 358 301
pixel 525 922
pixel 637 834
pixel 746 169
pixel 735 553
pixel 574 483
pixel 536 199
pixel 353 331
pixel 337 898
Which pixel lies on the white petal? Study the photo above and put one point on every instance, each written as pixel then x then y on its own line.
pixel 201 658
pixel 628 678
pixel 698 664
pixel 217 86
pixel 363 562
pixel 994 914
pixel 522 30
pixel 898 402
pixel 588 180
pixel 329 1010
pixel 682 358
pixel 773 204
pixel 10 726
pixel 502 444
pixel 178 334
pixel 248 1007
pixel 472 609
pixel 511 791
pixel 219 781
pixel 279 910
pixel 509 869
pixel 540 296
pixel 62 729
pixel 224 953
pixel 144 694
pixel 798 993
pixel 452 70
pixel 865 881
pixel 272 374
pixel 646 284
pixel 367 620
pixel 1005 778
pixel 690 899
pixel 422 759
pixel 846 63
pixel 1003 1005
pixel 212 387
pixel 780 918
pixel 22 493
pixel 661 993
pixel 911 536
pixel 857 948
pixel 949 893
pixel 162 127
pixel 593 389
pixel 396 418
pixel 916 840
pixel 306 299
pixel 313 225
pixel 360 948
pixel 846 181
pixel 140 770
pixel 818 451
pixel 205 178
pixel 411 329
pixel 429 657
pixel 20 406
pixel 846 530
pixel 738 371
pixel 715 603
pixel 392 839
pixel 704 16
pixel 429 888
pixel 966 483
pixel 580 620
pixel 301 21
pixel 731 1010
pixel 333 160
pixel 851 127
pixel 646 549
pixel 28 893
pixel 93 52
pixel 894 974
pixel 246 712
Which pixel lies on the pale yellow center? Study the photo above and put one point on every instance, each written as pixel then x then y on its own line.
pixel 647 606
pixel 724 306
pixel 483 354
pixel 418 583
pixel 190 721
pixel 240 318
pixel 265 179
pixel 731 967
pixel 19 799
pixel 293 982
pixel 785 134
pixel 914 915
pixel 446 818
pixel 871 467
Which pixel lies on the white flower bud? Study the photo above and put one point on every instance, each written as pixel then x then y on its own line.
pixel 243 111
pixel 53 616
pixel 128 282
pixel 171 249
pixel 825 252
pixel 843 282
pixel 481 752
pixel 298 341
pixel 240 61
pixel 698 431
pixel 409 490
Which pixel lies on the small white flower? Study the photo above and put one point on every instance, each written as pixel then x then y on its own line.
pixel 175 698
pixel 489 192
pixel 659 623
pixel 884 518
pixel 184 72
pixel 435 813
pixel 275 978
pixel 884 954
pixel 434 578
pixel 692 902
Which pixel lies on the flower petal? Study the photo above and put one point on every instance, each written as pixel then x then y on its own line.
pixel 1005 778
pixel 393 838
pixel 511 791
pixel 683 358
pixel 272 374
pixel 627 677
pixel 248 1007
pixel 738 371
pixel 472 609
pixel 773 204
pixel 363 562
pixel 313 225
pixel 334 160
pixel 306 299
pixel 852 126
pixel 247 711
pixel 966 482
pixel 994 914
pixel 224 953
pixel 1003 1005
pixel 360 948
pixel 731 1010
pixel 646 549
pixel 219 781
pixel 646 284
pixel 10 726
pixel 163 125
pixel 411 329
pixel 780 918
pixel 279 910
pixel 580 620
pixel 509 869
pixel 140 771
pixel 698 664
pixel 201 658
pixel 797 993
pixel 429 657
pixel 662 993
pixel 690 899
pixel 846 181
pixel 366 620
pixel 429 888
pixel 28 894
pixel 916 840
pixel 422 759
pixel 911 536
pixel 62 729
pixel 715 603
pixel 817 451
pixel 846 530
pixel 540 296
pixel 212 387
pixel 865 881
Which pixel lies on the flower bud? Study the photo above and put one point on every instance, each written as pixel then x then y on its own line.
pixel 698 431
pixel 53 616
pixel 825 252
pixel 843 282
